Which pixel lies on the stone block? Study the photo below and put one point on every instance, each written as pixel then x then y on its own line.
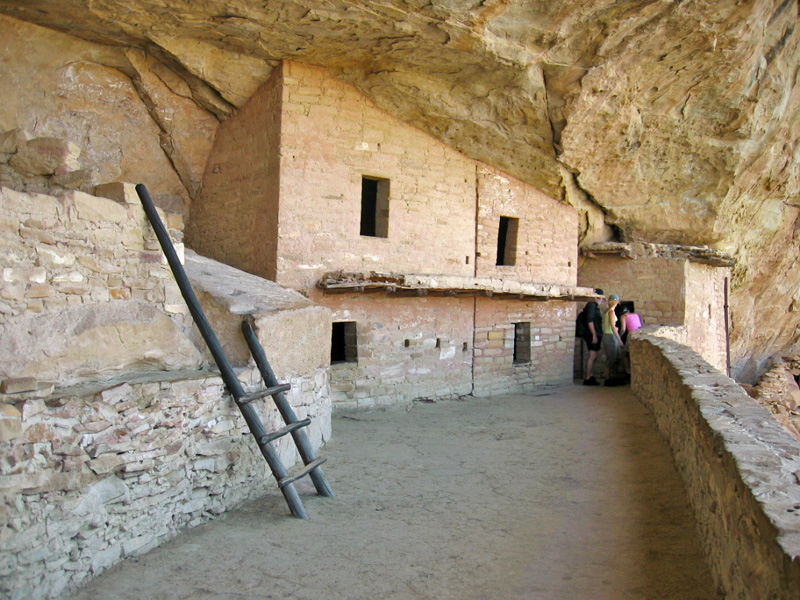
pixel 124 193
pixel 99 211
pixel 16 385
pixel 43 156
pixel 10 422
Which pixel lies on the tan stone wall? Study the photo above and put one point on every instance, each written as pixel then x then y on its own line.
pixel 739 467
pixel 235 218
pixel 547 249
pixel 100 473
pixel 85 292
pixel 655 285
pixel 552 331
pixel 331 137
pixel 705 313
pixel 408 348
pixel 112 436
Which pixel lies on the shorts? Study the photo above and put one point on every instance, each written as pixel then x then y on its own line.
pixel 590 345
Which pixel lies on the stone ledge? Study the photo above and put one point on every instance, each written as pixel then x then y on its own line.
pixel 634 250
pixel 448 285
pixel 740 468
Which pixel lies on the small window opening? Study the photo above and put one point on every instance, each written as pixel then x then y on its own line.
pixel 624 305
pixel 522 343
pixel 507 241
pixel 438 342
pixel 465 347
pixel 374 207
pixel 344 346
pixel 406 343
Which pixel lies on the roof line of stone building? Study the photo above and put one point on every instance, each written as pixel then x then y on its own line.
pixel 634 250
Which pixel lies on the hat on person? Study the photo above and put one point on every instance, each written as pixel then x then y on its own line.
pixel 613 298
pixel 598 291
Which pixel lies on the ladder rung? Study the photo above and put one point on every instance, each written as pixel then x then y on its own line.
pixel 266 439
pixel 284 387
pixel 306 470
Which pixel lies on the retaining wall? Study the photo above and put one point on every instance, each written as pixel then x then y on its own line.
pixel 741 469
pixel 97 473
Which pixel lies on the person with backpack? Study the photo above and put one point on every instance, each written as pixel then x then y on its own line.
pixel 589 328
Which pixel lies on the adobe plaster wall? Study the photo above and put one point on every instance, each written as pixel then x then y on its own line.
pixel 738 465
pixel 706 304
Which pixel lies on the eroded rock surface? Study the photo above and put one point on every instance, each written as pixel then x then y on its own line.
pixel 663 121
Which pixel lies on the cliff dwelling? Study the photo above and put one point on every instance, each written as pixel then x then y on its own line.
pixel 410 204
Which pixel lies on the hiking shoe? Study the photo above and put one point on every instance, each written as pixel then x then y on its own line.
pixel 590 381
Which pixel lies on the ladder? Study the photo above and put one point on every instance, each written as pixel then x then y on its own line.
pixel 244 401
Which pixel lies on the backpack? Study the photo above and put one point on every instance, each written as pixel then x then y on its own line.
pixel 581 325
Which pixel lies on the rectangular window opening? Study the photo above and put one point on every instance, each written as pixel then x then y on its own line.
pixel 522 343
pixel 344 344
pixel 374 207
pixel 507 241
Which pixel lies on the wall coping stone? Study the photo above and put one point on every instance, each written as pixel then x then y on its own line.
pixel 711 423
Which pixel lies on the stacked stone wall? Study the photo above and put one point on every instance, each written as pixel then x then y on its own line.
pixel 102 472
pixel 738 465
pixel 552 332
pixel 655 285
pixel 331 137
pixel 408 348
pixel 546 244
pixel 85 292
pixel 112 437
pixel 235 218
pixel 685 298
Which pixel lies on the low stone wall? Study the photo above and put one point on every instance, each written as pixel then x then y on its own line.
pixel 740 468
pixel 101 472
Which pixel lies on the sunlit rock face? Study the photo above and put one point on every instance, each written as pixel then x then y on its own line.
pixel 663 121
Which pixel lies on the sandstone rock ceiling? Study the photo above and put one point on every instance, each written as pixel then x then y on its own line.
pixel 672 121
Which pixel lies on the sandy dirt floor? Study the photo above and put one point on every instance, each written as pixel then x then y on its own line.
pixel 567 494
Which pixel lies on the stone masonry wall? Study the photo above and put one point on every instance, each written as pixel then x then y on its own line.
pixel 740 468
pixel 112 437
pixel 408 348
pixel 705 313
pixel 85 293
pixel 547 249
pixel 235 218
pixel 655 285
pixel 687 298
pixel 102 472
pixel 552 334
pixel 331 137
